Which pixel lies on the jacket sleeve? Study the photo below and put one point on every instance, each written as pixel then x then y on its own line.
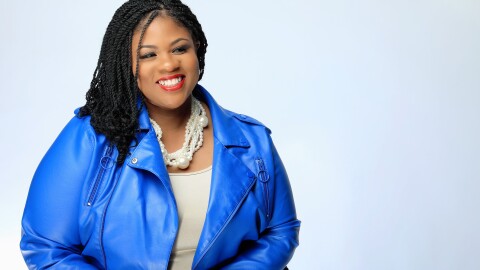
pixel 276 245
pixel 50 228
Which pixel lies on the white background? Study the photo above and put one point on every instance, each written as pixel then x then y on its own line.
pixel 374 108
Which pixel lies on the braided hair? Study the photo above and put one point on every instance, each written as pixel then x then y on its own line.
pixel 112 99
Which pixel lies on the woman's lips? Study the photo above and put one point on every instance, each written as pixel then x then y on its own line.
pixel 171 83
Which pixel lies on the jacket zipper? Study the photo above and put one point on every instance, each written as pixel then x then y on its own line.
pixel 264 177
pixel 225 224
pixel 104 163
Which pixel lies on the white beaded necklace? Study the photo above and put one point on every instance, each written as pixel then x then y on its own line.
pixel 193 137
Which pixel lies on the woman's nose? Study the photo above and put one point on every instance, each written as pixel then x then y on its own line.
pixel 169 63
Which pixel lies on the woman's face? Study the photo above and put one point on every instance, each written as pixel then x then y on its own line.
pixel 168 66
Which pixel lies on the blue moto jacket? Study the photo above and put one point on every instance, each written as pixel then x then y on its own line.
pixel 84 211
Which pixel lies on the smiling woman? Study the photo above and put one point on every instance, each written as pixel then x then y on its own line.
pixel 167 59
pixel 152 173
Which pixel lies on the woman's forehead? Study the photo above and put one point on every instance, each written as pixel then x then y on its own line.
pixel 163 28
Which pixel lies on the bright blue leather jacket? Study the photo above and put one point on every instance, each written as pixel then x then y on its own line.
pixel 86 212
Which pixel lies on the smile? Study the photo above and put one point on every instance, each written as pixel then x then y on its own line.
pixel 171 83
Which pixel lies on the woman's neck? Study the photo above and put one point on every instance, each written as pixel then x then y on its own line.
pixel 170 120
pixel 172 123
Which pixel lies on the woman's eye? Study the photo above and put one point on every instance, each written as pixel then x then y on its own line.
pixel 180 50
pixel 147 55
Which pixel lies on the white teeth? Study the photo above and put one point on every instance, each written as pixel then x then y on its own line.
pixel 171 82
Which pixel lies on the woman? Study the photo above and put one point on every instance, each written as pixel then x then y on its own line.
pixel 152 173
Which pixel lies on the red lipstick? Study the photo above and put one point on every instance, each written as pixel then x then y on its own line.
pixel 171 83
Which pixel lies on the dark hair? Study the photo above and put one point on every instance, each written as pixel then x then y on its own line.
pixel 113 97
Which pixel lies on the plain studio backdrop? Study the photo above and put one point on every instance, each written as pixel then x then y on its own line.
pixel 374 107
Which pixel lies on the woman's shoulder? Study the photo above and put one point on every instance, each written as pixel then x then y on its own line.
pixel 220 111
pixel 231 125
pixel 78 130
pixel 72 152
pixel 254 131
pixel 248 121
pixel 80 124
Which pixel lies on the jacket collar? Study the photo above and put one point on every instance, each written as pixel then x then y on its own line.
pixel 225 130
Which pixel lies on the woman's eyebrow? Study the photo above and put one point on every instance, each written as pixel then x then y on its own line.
pixel 178 40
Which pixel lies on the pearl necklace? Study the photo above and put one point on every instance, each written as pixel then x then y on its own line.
pixel 193 137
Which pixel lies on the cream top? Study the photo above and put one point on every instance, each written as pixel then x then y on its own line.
pixel 191 192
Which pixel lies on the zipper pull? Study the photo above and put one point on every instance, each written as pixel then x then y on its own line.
pixel 263 177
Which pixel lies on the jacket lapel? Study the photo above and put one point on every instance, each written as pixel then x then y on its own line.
pixel 231 178
pixel 147 154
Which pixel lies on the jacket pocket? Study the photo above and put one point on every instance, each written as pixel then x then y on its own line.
pixel 106 163
pixel 264 177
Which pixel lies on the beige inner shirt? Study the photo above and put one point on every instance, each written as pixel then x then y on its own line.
pixel 191 192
